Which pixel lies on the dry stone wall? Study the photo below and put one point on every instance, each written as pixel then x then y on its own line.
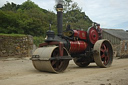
pixel 124 48
pixel 121 50
pixel 16 46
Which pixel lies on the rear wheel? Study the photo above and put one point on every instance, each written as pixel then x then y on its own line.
pixel 81 62
pixel 103 53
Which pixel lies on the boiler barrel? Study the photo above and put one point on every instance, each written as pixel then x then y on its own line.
pixel 77 46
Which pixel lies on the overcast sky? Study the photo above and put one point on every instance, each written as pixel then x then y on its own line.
pixel 109 13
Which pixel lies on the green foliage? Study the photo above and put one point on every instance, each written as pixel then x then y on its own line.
pixel 77 19
pixel 74 16
pixel 10 7
pixel 38 40
pixel 28 18
pixel 9 22
pixel 27 5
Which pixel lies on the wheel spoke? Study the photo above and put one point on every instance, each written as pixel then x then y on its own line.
pixel 59 65
pixel 102 50
pixel 107 50
pixel 106 60
pixel 104 46
pixel 53 63
pixel 56 65
pixel 103 56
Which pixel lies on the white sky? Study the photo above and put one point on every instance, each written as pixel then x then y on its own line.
pixel 109 13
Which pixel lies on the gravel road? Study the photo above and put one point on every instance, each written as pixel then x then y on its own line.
pixel 15 71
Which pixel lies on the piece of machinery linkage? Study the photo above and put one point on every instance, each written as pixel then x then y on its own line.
pixel 84 47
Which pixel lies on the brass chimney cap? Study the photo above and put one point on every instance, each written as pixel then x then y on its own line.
pixel 59 7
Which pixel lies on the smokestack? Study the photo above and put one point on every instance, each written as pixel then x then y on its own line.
pixel 59 9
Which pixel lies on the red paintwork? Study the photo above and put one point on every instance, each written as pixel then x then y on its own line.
pixel 60 44
pixel 77 46
pixel 80 34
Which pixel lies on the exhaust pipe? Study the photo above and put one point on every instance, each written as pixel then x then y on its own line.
pixel 59 9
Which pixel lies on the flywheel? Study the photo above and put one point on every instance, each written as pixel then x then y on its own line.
pixel 92 35
pixel 103 53
pixel 49 59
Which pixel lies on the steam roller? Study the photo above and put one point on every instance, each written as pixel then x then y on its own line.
pixel 84 47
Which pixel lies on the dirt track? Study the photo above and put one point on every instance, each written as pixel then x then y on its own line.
pixel 21 72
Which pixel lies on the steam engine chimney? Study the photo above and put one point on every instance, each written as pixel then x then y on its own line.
pixel 59 9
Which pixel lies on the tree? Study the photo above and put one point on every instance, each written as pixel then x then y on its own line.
pixel 28 5
pixel 10 7
pixel 28 18
pixel 74 16
pixel 67 5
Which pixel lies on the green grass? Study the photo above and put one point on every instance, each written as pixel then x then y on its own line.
pixel 15 35
pixel 36 40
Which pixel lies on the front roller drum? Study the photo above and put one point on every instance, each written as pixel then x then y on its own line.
pixel 45 61
pixel 103 53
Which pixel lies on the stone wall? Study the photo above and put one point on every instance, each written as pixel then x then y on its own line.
pixel 116 49
pixel 16 46
pixel 121 50
pixel 124 48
